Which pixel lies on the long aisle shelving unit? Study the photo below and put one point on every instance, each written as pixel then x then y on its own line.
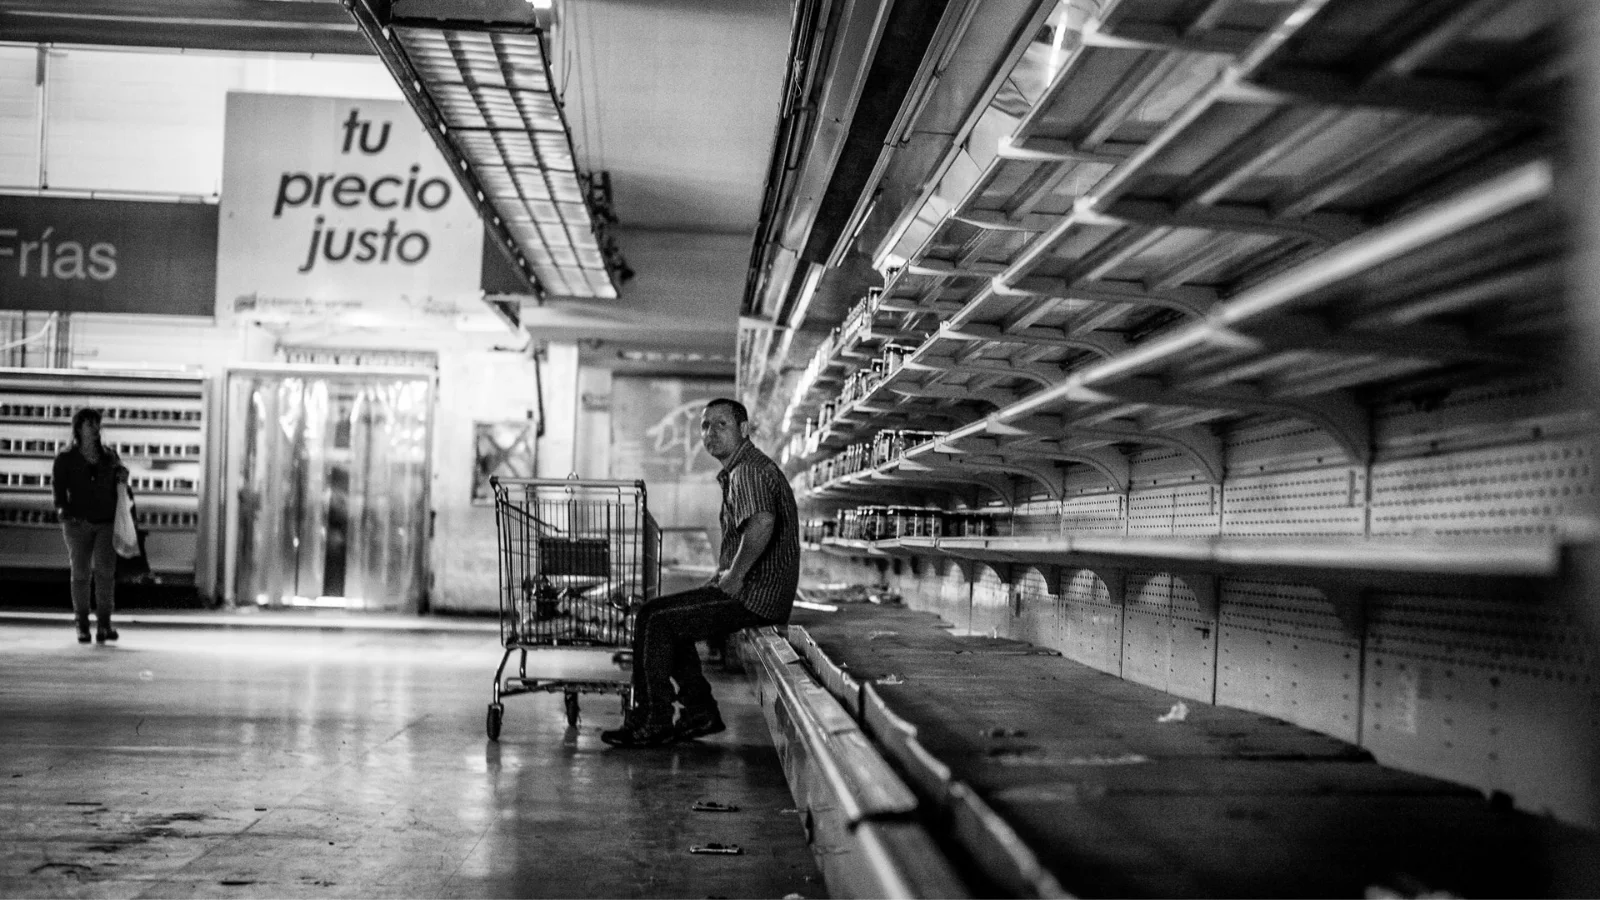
pixel 1245 316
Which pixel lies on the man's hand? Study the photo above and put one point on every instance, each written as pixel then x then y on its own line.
pixel 757 534
pixel 730 583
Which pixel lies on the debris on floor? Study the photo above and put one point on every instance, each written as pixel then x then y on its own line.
pixel 713 806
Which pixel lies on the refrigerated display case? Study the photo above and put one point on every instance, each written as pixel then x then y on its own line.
pixel 158 425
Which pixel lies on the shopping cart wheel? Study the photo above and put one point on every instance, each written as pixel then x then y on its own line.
pixel 496 712
pixel 572 709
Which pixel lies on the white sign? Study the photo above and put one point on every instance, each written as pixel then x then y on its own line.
pixel 337 205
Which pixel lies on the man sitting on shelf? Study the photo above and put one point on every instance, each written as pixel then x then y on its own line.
pixel 758 571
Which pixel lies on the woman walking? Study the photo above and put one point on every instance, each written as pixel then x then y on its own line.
pixel 87 476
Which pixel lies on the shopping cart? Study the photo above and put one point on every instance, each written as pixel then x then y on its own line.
pixel 577 559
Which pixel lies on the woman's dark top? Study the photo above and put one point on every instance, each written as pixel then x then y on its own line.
pixel 85 491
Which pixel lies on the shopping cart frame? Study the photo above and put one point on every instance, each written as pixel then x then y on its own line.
pixel 586 544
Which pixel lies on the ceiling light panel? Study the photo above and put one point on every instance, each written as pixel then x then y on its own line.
pixel 493 91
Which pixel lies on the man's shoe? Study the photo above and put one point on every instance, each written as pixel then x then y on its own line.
pixel 698 724
pixel 83 630
pixel 630 735
pixel 104 632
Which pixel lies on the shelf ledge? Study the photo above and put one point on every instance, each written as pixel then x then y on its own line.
pixel 1332 558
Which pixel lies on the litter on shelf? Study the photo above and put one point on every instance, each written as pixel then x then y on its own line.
pixel 1126 759
pixel 848 593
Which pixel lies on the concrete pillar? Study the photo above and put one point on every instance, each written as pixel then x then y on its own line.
pixel 559 376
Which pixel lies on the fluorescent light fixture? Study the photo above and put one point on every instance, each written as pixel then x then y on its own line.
pixel 808 290
pixel 493 92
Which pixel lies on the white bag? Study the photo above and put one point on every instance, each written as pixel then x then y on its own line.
pixel 125 536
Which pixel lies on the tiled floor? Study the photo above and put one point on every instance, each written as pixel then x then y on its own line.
pixel 258 762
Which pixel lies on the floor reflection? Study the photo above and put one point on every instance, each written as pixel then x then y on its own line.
pixel 343 763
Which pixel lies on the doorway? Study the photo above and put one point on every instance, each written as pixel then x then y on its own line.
pixel 327 488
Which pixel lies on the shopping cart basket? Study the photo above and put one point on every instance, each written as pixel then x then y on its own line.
pixel 577 559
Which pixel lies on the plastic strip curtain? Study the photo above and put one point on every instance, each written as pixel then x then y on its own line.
pixel 388 463
pixel 331 499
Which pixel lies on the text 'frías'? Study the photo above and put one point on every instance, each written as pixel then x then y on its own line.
pixel 351 191
pixel 47 257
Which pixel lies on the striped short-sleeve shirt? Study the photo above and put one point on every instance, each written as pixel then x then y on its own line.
pixel 751 483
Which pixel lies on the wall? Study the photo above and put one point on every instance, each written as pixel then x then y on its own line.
pixel 1490 686
pixel 150 123
pixel 594 424
pixel 656 436
pixel 474 386
pixel 476 382
pixel 145 121
pixel 559 372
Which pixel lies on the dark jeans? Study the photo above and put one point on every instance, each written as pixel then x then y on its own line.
pixel 664 636
pixel 94 565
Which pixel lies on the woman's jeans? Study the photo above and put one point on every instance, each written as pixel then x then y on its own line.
pixel 94 564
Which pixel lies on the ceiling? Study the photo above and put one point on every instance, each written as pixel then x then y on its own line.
pixel 676 99
pixel 284 26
